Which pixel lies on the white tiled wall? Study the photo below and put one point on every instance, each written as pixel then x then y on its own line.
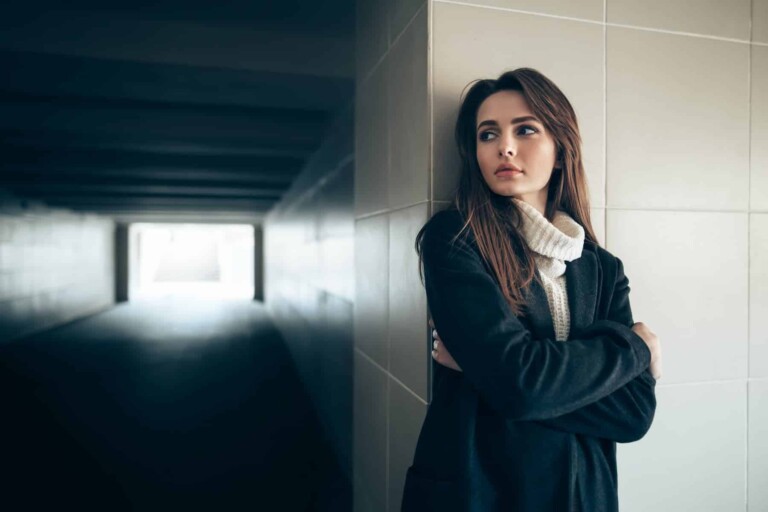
pixel 693 458
pixel 672 104
pixel 55 266
pixel 688 274
pixel 685 160
pixel 706 17
pixel 392 192
pixel 678 135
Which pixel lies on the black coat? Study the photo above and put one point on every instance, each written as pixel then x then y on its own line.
pixel 531 423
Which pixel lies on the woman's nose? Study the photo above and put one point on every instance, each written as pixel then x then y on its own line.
pixel 507 149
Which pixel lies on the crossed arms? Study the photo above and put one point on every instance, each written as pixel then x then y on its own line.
pixel 597 385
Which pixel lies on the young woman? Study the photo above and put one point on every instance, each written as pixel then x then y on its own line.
pixel 541 367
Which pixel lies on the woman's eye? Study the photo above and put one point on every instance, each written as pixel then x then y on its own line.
pixel 486 136
pixel 533 130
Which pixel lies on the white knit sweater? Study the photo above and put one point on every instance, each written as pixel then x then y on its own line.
pixel 553 243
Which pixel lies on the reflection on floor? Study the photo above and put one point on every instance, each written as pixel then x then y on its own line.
pixel 162 405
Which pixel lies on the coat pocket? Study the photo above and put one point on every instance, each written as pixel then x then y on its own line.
pixel 425 493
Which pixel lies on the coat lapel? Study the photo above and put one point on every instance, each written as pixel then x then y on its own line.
pixel 538 313
pixel 582 277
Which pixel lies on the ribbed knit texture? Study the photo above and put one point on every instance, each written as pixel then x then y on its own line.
pixel 553 243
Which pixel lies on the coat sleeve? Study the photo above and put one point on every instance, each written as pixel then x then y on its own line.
pixel 626 414
pixel 521 377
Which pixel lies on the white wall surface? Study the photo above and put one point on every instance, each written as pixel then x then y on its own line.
pixel 55 266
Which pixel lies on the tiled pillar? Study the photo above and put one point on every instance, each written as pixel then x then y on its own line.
pixel 392 194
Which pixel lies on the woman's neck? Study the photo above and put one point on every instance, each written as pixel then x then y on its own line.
pixel 536 199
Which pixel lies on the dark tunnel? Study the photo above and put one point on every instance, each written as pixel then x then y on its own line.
pixel 119 391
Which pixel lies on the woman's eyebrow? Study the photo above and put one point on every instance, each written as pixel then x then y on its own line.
pixel 487 123
pixel 490 122
pixel 524 118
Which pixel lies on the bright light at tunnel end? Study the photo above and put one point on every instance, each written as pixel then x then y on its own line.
pixel 200 261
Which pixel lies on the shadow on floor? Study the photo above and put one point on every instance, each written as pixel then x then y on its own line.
pixel 162 405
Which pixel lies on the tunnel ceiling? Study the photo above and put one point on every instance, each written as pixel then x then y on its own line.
pixel 159 110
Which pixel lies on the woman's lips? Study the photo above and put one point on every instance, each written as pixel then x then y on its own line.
pixel 508 172
pixel 508 169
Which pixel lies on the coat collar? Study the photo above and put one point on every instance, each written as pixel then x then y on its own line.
pixel 582 277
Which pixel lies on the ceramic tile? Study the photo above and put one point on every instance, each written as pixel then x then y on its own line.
pixel 760 21
pixel 408 330
pixel 663 150
pixel 759 129
pixel 584 9
pixel 758 295
pixel 401 13
pixel 693 456
pixel 406 414
pixel 371 143
pixel 370 433
pixel 706 17
pixel 758 445
pixel 372 34
pixel 688 280
pixel 408 116
pixel 372 287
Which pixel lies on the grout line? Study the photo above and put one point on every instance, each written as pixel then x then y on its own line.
pixel 373 70
pixel 678 210
pixel 519 11
pixel 431 151
pixel 680 33
pixel 390 210
pixel 704 382
pixel 390 45
pixel 410 22
pixel 386 454
pixel 409 390
pixel 388 316
pixel 749 230
pixel 605 22
pixel 371 214
pixel 605 124
pixel 431 102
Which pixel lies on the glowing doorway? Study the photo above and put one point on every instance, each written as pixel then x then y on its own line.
pixel 211 261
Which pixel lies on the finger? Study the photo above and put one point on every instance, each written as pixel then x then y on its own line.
pixel 431 323
pixel 434 344
pixel 434 334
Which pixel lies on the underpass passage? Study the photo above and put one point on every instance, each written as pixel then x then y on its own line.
pixel 162 404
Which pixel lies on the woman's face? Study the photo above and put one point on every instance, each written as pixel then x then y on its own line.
pixel 514 151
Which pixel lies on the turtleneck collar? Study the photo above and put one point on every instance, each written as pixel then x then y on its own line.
pixel 554 242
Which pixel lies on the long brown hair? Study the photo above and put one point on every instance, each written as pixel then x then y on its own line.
pixel 494 219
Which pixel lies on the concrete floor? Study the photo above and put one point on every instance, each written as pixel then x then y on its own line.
pixel 167 404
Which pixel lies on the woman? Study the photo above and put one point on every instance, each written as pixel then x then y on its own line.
pixel 541 367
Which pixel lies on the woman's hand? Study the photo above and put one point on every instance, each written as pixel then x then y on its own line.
pixel 654 345
pixel 440 353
